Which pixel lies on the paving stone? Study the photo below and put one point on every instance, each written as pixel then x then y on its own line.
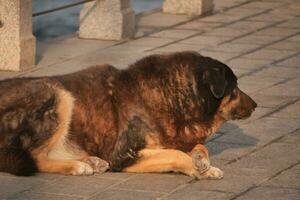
pixel 85 186
pixel 295 38
pixel 116 175
pixel 290 11
pixel 286 45
pixel 271 193
pixel 258 39
pixel 293 23
pixel 226 32
pixel 289 88
pixel 260 132
pixel 235 48
pixel 227 151
pixel 292 138
pixel 277 31
pixel 291 62
pixel 175 33
pixel 41 196
pixel 227 127
pixel 115 194
pixel 291 111
pixel 268 54
pixel 158 19
pixel 271 101
pixel 231 183
pixel 221 56
pixel 249 25
pixel 270 17
pixel 193 192
pixel 178 47
pixel 205 40
pixel 13 185
pixel 262 5
pixel 154 182
pixel 247 64
pixel 220 18
pixel 198 26
pixel 55 52
pixel 277 72
pixel 243 12
pixel 252 84
pixel 150 41
pixel 289 179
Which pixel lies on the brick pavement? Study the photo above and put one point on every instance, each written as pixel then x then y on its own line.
pixel 260 40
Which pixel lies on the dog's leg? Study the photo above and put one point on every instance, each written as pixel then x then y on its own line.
pixel 200 158
pixel 172 160
pixel 85 166
pixel 164 160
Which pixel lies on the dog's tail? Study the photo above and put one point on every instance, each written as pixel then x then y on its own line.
pixel 17 161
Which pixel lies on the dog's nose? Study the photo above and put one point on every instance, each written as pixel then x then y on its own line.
pixel 254 104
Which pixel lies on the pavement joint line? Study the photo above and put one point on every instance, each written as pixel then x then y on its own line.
pixel 201 33
pixel 174 190
pixel 267 66
pixel 280 108
pixel 137 190
pixel 113 185
pixel 263 181
pixel 265 45
pixel 284 187
pixel 260 147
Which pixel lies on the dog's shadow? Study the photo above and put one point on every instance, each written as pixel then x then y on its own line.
pixel 230 136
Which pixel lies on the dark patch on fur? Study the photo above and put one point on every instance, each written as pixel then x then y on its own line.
pixel 129 143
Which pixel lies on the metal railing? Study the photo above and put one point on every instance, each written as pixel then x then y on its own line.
pixel 59 8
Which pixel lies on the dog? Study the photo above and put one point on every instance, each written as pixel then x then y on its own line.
pixel 154 116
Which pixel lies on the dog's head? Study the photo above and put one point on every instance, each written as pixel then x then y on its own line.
pixel 218 89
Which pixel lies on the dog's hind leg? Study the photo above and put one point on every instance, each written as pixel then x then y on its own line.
pixel 56 155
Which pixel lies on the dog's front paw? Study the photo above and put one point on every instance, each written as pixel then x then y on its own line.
pixel 98 165
pixel 80 169
pixel 213 173
pixel 200 161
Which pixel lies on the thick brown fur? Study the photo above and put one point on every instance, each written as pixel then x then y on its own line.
pixel 161 106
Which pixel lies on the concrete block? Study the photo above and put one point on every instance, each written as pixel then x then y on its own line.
pixel 191 7
pixel 17 44
pixel 107 20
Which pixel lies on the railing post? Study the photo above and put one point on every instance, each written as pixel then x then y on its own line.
pixel 187 7
pixel 107 20
pixel 17 44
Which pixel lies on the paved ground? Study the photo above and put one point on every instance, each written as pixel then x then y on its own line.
pixel 260 40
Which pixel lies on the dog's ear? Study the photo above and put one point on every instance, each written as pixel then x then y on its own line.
pixel 216 81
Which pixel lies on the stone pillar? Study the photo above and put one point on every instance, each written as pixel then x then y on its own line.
pixel 107 20
pixel 17 44
pixel 187 7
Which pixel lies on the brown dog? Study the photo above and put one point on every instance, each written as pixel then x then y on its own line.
pixel 152 117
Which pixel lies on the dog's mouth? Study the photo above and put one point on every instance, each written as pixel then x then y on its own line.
pixel 243 115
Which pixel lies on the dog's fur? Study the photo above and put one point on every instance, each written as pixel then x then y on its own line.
pixel 152 117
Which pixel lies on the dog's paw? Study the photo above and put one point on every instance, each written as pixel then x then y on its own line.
pixel 213 173
pixel 200 161
pixel 81 169
pixel 98 165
